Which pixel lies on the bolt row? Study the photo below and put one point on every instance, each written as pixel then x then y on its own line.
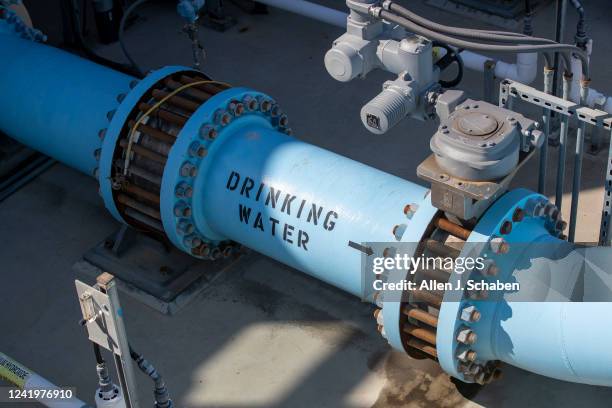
pixel 137 194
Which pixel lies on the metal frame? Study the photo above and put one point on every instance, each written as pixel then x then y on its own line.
pixel 511 90
pixel 103 318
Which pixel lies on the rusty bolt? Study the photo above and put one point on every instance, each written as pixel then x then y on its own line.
pixel 183 190
pixel 467 355
pixel 499 245
pixel 208 131
pixel 490 269
pixel 283 121
pixel 188 170
pixel 228 251
pixel 236 108
pixel 192 242
pixel 506 228
pixel 518 215
pixel 250 102
pixel 181 209
pixel 265 105
pixel 561 225
pixel 184 227
pixel 470 314
pixel 466 336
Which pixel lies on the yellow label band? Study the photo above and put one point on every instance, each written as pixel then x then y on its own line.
pixel 12 371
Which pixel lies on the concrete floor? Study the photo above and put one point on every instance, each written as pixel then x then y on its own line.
pixel 263 335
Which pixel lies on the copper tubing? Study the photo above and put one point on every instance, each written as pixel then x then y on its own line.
pixel 143 151
pixel 177 101
pixel 422 346
pixel 137 205
pixel 153 132
pixel 210 88
pixel 421 333
pixel 164 114
pixel 427 297
pixel 421 316
pixel 191 92
pixel 453 229
pixel 440 249
pixel 141 193
pixel 155 224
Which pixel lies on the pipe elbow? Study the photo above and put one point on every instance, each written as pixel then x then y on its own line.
pixel 563 340
pixel 524 71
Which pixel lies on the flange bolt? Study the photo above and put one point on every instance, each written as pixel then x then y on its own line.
pixel 499 245
pixel 466 336
pixel 470 314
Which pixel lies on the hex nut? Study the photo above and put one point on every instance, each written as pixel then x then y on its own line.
pixel 499 245
pixel 470 314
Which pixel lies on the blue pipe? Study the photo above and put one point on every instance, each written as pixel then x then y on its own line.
pixel 324 202
pixel 55 102
pixel 306 207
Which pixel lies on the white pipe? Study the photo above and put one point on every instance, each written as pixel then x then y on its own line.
pixel 595 97
pixel 524 71
pixel 312 10
pixel 27 380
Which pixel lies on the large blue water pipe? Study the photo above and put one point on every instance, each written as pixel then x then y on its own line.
pixel 213 166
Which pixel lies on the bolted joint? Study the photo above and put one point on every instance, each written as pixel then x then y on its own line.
pixel 192 241
pixel 183 190
pixel 197 150
pixel 490 268
pixel 470 314
pixel 188 170
pixel 236 108
pixel 499 245
pixel 265 104
pixel 467 356
pixel 560 225
pixel 466 336
pixel 182 209
pixel 222 117
pixel 185 227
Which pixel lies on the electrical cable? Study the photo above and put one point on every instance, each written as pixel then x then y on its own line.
pixel 161 395
pixel 456 42
pixel 485 35
pixel 464 32
pixel 451 56
pixel 97 353
pixel 77 29
pixel 124 19
pixel 581 37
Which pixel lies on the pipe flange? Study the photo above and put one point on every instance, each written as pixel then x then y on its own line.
pixel 14 24
pixel 118 123
pixel 466 318
pixel 392 318
pixel 187 164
